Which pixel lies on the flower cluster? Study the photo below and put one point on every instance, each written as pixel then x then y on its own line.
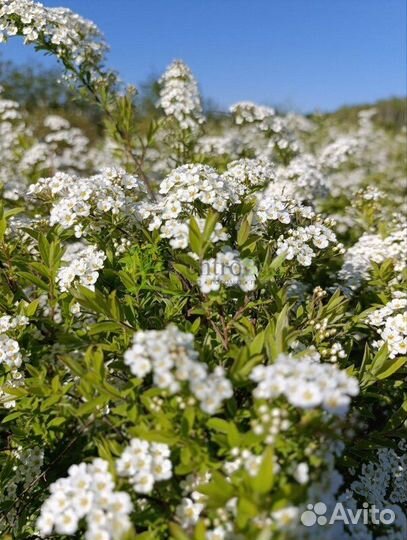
pixel 248 112
pixel 244 175
pixel 145 463
pixel 270 422
pixel 276 203
pixel 193 502
pixel 83 265
pixel 303 178
pixel 65 32
pixel 181 191
pixel 179 96
pixel 391 324
pixel 63 148
pixel 305 383
pixel 372 247
pixel 228 269
pixel 220 525
pixel 170 355
pixel 299 243
pixel 76 198
pixel 12 129
pixel 338 152
pixel 10 353
pixel 244 458
pixel 182 187
pixel 7 322
pixel 218 326
pixel 86 493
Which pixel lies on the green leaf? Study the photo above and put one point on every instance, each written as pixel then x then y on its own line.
pixel 12 416
pixel 244 230
pixel 195 237
pixel 91 406
pixel 210 224
pixel 177 533
pixel 395 365
pixel 104 327
pixel 263 481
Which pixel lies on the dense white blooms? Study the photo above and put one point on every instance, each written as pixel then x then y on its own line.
pixel 180 191
pixel 170 356
pixel 179 96
pixel 249 112
pixel 10 356
pixel 228 143
pixel 63 148
pixel 265 179
pixel 10 353
pixel 83 265
pixel 66 32
pixel 244 175
pixel 76 198
pixel 12 130
pixel 145 463
pixel 301 243
pixel 305 383
pixel 7 322
pixel 278 203
pixel 190 183
pixel 86 493
pixel 339 151
pixel 302 178
pixel 228 269
pixel 372 247
pixel 390 322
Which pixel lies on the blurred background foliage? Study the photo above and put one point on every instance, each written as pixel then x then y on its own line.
pixel 42 91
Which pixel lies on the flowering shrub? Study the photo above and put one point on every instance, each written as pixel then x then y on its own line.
pixel 202 323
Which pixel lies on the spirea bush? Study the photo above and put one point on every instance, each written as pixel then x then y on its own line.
pixel 202 319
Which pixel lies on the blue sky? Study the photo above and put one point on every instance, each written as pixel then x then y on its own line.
pixel 302 54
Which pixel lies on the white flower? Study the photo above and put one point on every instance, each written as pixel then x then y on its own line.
pixel 305 383
pixel 170 355
pixel 301 473
pixel 373 248
pixel 188 512
pixel 66 523
pixel 306 395
pixel 86 493
pixel 143 482
pixel 84 263
pixel 144 464
pixel 179 96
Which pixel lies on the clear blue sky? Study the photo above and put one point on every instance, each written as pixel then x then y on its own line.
pixel 305 54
